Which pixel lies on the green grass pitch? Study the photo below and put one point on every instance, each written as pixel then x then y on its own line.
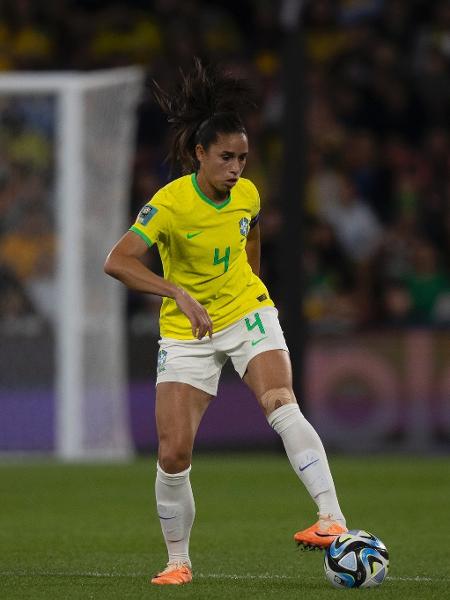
pixel 89 531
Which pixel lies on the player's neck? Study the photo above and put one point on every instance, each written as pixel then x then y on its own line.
pixel 210 192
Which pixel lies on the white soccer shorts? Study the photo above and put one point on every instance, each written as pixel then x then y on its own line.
pixel 199 362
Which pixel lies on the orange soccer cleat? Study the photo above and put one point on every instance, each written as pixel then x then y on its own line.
pixel 320 535
pixel 174 574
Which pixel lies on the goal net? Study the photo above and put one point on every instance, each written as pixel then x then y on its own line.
pixel 66 148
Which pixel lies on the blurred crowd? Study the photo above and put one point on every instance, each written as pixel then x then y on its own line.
pixel 377 195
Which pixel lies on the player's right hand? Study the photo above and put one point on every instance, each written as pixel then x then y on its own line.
pixel 195 312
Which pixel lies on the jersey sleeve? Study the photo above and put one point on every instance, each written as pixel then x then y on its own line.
pixel 254 221
pixel 152 222
pixel 256 205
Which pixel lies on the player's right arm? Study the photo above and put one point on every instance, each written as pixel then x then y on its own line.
pixel 124 263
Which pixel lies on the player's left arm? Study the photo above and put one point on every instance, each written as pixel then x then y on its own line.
pixel 253 248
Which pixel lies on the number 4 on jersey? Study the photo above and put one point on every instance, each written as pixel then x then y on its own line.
pixel 222 259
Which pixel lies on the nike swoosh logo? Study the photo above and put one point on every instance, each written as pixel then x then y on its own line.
pixel 193 235
pixel 309 464
pixel 166 518
pixel 254 342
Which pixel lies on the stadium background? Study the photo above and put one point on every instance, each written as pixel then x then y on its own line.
pixel 375 205
pixel 375 264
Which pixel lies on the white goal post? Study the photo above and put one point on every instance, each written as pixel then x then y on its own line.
pixel 94 146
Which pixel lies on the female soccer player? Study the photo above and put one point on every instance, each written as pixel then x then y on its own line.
pixel 214 307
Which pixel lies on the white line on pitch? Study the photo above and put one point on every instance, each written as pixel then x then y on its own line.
pixel 303 577
pixel 228 576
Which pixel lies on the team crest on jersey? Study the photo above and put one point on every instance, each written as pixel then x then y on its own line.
pixel 244 226
pixel 147 213
pixel 162 356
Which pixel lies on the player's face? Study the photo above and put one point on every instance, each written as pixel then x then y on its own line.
pixel 222 164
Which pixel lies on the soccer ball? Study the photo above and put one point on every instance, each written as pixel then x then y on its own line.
pixel 356 559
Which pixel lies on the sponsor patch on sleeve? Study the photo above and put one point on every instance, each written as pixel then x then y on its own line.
pixel 147 213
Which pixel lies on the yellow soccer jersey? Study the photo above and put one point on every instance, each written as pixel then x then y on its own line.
pixel 202 249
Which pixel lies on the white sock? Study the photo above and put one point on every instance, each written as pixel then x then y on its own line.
pixel 307 457
pixel 176 511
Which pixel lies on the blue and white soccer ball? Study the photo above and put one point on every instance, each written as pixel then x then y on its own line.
pixel 356 559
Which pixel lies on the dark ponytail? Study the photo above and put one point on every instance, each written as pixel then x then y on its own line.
pixel 204 103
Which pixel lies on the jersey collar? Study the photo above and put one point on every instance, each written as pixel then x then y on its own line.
pixel 205 198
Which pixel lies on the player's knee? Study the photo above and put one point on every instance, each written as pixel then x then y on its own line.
pixel 275 398
pixel 174 459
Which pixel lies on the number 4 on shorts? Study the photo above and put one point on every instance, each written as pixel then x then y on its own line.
pixel 256 323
